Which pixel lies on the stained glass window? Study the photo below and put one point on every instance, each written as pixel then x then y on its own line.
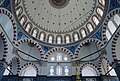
pixel 58 70
pixel 52 70
pixel 59 57
pixel 66 70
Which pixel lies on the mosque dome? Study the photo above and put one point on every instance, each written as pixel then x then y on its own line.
pixel 59 40
pixel 60 22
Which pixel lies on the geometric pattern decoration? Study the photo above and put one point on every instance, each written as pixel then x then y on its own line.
pixel 77 52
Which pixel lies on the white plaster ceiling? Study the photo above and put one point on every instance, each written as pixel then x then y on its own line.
pixel 74 14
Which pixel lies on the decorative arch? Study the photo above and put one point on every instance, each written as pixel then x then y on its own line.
pixel 101 65
pixel 5 45
pixel 15 65
pixel 30 41
pixel 113 46
pixel 11 17
pixel 87 41
pixel 28 65
pixel 90 65
pixel 59 49
pixel 108 17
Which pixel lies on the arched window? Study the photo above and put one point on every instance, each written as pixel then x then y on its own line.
pixel 59 39
pixel 75 36
pixel 23 20
pixel 17 2
pixel 95 20
pixel 35 32
pixel 29 71
pixel 89 71
pixel 67 39
pixel 58 70
pixel 117 19
pixel 52 70
pixel 90 27
pixel 59 57
pixel 19 11
pixel 83 32
pixel 108 35
pixel 99 11
pixel 50 38
pixel 111 27
pixel 28 27
pixel 42 35
pixel 59 65
pixel 102 2
pixel 66 70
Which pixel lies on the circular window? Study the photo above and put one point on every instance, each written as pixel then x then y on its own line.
pixel 65 58
pixel 52 58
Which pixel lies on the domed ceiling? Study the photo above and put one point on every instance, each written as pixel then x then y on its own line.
pixel 59 21
pixel 59 15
